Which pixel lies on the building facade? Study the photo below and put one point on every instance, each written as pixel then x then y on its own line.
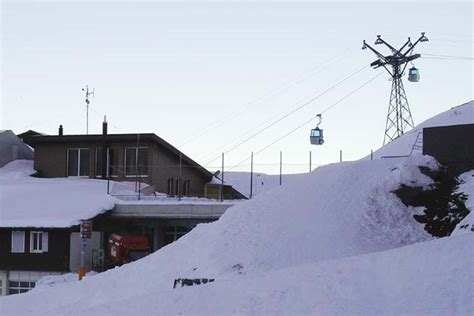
pixel 145 158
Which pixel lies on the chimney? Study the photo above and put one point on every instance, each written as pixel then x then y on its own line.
pixel 104 126
pixel 60 130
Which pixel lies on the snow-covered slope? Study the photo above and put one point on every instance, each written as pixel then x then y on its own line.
pixel 431 278
pixel 323 243
pixel 462 114
pixel 335 212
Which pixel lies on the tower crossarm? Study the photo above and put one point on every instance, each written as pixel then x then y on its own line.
pixel 422 38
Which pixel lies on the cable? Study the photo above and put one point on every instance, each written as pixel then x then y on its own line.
pixel 310 120
pixel 314 71
pixel 431 56
pixel 292 111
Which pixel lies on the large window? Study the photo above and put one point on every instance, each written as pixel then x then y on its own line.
pixel 17 287
pixel 38 242
pixel 186 186
pixel 173 233
pixel 170 188
pixel 112 168
pixel 98 162
pixel 113 162
pixel 136 157
pixel 18 241
pixel 77 162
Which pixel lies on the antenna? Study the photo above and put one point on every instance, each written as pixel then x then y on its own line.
pixel 399 116
pixel 88 94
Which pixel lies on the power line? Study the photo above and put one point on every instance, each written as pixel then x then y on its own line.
pixel 431 56
pixel 291 112
pixel 313 71
pixel 312 119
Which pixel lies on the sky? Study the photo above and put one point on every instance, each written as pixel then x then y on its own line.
pixel 209 76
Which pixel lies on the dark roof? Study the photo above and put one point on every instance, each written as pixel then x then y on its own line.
pixel 29 133
pixel 41 139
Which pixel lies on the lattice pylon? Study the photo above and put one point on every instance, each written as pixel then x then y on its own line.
pixel 399 118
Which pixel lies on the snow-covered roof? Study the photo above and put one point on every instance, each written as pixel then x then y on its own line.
pixel 54 202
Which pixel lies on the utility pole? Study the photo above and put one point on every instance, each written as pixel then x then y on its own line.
pixel 399 117
pixel 88 94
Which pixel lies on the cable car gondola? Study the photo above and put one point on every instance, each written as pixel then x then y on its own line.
pixel 413 74
pixel 316 137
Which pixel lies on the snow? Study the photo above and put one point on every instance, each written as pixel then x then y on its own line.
pixel 462 114
pixel 467 187
pixel 42 202
pixel 334 241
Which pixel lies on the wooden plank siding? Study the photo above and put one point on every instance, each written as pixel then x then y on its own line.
pixel 55 259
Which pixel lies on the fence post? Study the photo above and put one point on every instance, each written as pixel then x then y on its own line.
pixel 251 174
pixel 222 179
pixel 310 161
pixel 281 158
pixel 340 155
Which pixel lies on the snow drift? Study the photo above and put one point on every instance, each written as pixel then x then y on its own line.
pixel 323 243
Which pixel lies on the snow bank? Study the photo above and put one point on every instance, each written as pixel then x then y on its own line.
pixel 430 278
pixel 311 218
pixel 48 202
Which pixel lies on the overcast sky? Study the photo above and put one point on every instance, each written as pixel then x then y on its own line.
pixel 207 75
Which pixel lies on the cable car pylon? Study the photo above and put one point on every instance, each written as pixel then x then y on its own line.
pixel 399 117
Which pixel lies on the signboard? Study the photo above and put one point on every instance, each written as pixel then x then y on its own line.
pixel 86 229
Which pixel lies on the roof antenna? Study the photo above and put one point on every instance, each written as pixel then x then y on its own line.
pixel 88 94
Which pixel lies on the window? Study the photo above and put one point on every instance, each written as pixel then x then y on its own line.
pixel 132 155
pixel 113 162
pixel 174 233
pixel 178 191
pixel 77 162
pixel 186 185
pixel 98 162
pixel 17 287
pixel 169 190
pixel 38 242
pixel 18 241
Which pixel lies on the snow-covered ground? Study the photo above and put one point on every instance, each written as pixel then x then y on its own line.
pixel 336 241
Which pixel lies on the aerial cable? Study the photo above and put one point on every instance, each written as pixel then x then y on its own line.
pixel 446 56
pixel 309 121
pixel 352 74
pixel 313 71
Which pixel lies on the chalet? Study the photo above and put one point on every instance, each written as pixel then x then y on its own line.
pixel 144 158
pixel 39 233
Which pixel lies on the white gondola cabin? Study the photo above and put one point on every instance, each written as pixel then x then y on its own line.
pixel 413 74
pixel 316 136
